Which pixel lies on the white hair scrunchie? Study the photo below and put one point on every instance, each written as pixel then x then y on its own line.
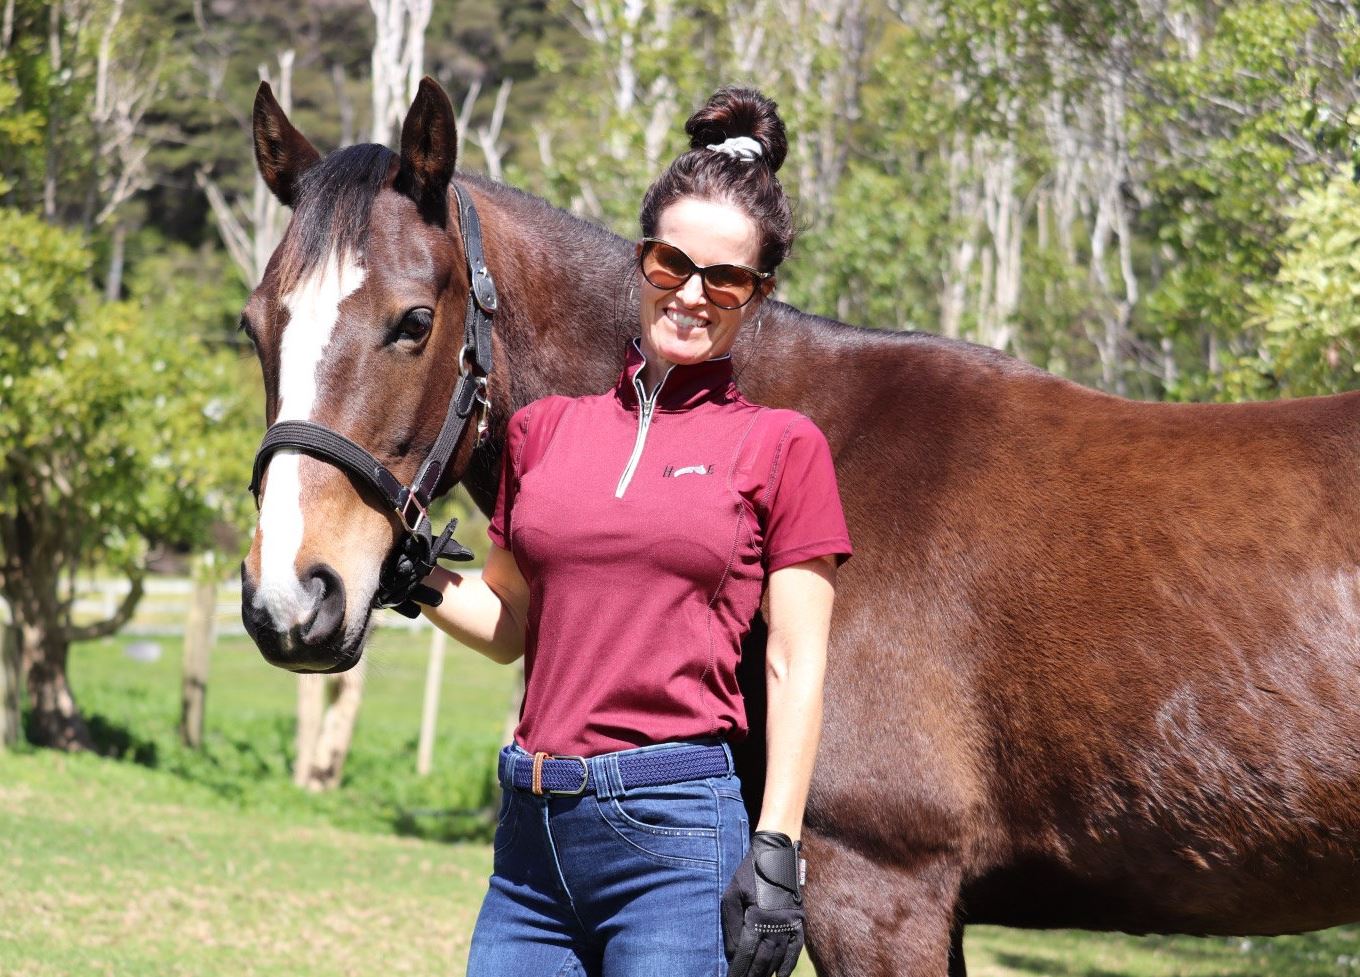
pixel 743 148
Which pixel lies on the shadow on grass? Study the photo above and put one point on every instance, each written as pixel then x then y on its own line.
pixel 446 825
pixel 119 742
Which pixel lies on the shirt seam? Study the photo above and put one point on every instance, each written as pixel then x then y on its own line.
pixel 776 462
pixel 710 666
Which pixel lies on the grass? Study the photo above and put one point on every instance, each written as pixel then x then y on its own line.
pixel 133 708
pixel 177 864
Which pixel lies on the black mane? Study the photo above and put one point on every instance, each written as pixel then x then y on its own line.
pixel 334 201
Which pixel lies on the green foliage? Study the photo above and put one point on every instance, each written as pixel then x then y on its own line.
pixel 1231 126
pixel 1309 316
pixel 115 422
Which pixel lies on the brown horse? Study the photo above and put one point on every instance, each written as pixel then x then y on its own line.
pixel 1096 663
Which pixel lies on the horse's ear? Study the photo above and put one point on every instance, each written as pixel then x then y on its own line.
pixel 281 152
pixel 429 149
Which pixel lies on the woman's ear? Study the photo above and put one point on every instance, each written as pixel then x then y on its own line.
pixel 637 250
pixel 767 286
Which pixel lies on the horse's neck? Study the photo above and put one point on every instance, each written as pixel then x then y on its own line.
pixel 567 303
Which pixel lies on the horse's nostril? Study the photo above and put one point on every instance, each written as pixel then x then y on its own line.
pixel 328 612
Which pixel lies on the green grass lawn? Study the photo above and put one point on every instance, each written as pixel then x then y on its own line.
pixel 213 865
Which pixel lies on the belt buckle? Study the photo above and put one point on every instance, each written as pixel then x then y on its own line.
pixel 585 777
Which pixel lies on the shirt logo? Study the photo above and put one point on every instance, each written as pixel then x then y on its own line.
pixel 673 472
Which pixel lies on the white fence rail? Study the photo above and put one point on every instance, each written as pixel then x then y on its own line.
pixel 164 607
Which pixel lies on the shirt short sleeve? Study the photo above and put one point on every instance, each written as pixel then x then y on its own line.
pixel 516 433
pixel 804 518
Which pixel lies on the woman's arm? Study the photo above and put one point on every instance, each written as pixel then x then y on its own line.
pixel 799 615
pixel 488 613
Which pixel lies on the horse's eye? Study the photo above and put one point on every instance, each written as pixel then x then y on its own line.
pixel 415 325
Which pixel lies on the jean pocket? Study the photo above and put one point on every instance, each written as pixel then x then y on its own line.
pixel 506 822
pixel 672 823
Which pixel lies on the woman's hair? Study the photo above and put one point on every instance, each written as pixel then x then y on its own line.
pixel 732 177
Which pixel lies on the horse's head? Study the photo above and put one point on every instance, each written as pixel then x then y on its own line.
pixel 357 323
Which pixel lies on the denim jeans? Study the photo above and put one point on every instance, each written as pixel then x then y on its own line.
pixel 615 883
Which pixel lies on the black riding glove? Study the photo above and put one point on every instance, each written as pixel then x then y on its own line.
pixel 762 909
pixel 399 581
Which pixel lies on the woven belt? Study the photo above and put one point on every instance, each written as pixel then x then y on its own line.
pixel 544 773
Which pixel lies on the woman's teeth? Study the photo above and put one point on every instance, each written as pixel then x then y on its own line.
pixel 680 319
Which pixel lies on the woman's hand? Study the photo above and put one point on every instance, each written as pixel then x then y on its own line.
pixel 485 613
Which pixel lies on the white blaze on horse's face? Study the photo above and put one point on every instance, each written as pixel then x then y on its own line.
pixel 313 310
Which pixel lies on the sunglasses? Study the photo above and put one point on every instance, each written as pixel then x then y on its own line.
pixel 727 286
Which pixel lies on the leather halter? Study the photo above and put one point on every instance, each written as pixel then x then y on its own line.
pixel 411 502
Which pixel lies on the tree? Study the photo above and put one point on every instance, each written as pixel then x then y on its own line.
pixel 111 433
pixel 1308 318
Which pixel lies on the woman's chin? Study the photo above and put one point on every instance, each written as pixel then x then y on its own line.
pixel 694 348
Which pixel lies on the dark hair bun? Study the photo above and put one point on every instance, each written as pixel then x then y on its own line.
pixel 734 111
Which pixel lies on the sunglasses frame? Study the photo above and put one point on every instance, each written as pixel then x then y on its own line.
pixel 702 271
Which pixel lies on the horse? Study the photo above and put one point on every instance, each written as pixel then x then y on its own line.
pixel 1095 662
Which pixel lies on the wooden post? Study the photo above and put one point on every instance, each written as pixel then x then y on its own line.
pixel 311 704
pixel 9 686
pixel 429 715
pixel 198 643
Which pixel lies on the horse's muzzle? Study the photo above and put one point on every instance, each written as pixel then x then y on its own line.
pixel 313 643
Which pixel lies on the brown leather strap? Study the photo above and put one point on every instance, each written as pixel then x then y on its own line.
pixel 539 757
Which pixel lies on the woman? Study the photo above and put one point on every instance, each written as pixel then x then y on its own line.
pixel 634 535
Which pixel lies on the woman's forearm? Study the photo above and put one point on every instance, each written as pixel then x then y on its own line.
pixel 474 614
pixel 793 730
pixel 799 614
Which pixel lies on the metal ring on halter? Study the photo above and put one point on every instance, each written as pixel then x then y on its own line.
pixel 412 501
pixel 463 367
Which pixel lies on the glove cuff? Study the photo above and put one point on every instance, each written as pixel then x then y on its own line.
pixel 778 871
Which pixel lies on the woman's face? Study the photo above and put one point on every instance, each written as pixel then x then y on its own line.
pixel 681 325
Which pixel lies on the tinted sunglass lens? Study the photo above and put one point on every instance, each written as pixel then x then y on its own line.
pixel 665 266
pixel 728 286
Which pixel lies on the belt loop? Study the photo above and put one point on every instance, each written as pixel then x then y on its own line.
pixel 605 776
pixel 731 764
pixel 539 757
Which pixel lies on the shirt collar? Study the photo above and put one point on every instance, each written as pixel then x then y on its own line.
pixel 685 385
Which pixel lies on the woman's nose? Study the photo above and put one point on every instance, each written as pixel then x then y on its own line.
pixel 692 292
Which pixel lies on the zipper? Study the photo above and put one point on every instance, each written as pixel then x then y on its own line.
pixel 647 404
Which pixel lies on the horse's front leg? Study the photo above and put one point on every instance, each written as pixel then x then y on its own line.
pixel 869 919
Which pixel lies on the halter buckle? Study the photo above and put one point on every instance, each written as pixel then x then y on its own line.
pixel 409 501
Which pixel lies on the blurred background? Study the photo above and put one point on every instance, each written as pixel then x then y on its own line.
pixel 1156 198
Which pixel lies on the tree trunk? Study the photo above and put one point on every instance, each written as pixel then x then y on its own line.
pixel 113 284
pixel 327 758
pixel 55 721
pixel 429 714
pixel 311 704
pixel 198 644
pixel 9 687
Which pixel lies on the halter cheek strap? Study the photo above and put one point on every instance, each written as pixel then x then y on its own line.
pixel 411 502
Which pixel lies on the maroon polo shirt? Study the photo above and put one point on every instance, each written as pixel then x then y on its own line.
pixel 645 524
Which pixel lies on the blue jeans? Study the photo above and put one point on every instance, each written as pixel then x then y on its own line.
pixel 616 883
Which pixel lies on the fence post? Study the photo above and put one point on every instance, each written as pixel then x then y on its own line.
pixel 429 715
pixel 198 643
pixel 9 686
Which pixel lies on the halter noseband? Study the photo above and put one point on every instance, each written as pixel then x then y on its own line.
pixel 411 502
